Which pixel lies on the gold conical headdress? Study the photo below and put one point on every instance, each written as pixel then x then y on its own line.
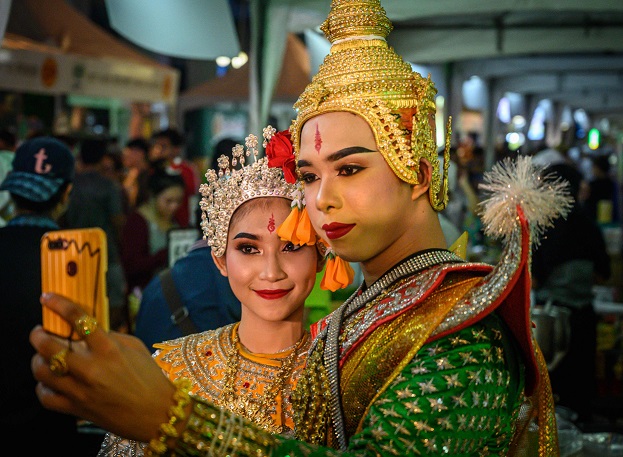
pixel 364 76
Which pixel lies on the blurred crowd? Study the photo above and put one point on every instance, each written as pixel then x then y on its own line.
pixel 136 192
pixel 598 195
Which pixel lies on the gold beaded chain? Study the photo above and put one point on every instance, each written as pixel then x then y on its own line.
pixel 257 409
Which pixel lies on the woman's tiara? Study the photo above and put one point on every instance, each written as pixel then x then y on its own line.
pixel 236 183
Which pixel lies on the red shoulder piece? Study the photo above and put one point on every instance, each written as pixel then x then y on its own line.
pixel 514 307
pixel 507 289
pixel 316 328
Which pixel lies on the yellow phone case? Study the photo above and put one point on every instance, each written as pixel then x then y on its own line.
pixel 74 264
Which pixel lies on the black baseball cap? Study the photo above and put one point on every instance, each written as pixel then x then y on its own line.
pixel 40 167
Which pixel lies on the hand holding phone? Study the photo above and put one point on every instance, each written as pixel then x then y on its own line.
pixel 74 264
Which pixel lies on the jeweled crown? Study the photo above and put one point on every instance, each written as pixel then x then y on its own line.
pixel 365 76
pixel 231 187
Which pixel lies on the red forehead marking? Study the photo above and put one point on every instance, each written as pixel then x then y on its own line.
pixel 318 140
pixel 271 224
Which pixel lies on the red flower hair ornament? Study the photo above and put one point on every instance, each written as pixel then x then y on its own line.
pixel 280 153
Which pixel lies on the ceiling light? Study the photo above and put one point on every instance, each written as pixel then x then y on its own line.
pixel 223 61
pixel 239 60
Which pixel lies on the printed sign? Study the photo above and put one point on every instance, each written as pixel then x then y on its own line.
pixel 180 241
pixel 30 71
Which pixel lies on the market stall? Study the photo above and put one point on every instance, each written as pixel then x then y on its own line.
pixel 51 48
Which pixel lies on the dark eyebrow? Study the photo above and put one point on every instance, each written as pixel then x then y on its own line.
pixel 337 155
pixel 246 235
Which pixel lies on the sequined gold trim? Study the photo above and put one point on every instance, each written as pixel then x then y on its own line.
pixel 548 430
pixel 214 431
pixel 311 400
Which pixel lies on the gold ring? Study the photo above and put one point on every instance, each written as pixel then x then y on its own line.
pixel 85 325
pixel 58 363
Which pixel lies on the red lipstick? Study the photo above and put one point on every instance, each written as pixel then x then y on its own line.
pixel 337 230
pixel 272 294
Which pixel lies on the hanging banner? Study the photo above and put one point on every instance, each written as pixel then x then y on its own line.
pixel 49 73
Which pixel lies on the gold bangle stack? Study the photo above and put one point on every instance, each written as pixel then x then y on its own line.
pixel 158 446
pixel 215 431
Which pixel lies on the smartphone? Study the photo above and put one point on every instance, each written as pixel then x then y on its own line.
pixel 74 264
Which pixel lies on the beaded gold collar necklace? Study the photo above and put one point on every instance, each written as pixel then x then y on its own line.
pixel 257 409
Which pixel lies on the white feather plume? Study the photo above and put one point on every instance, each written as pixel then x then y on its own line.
pixel 520 182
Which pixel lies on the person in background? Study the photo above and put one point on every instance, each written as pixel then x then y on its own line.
pixel 451 230
pixel 96 201
pixel 8 142
pixel 570 259
pixel 135 156
pixel 168 145
pixel 431 355
pixel 144 242
pixel 40 185
pixel 112 165
pixel 545 155
pixel 252 366
pixel 8 139
pixel 68 140
pixel 602 202
pixel 207 298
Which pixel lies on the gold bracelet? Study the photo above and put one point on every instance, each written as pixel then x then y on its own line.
pixel 158 446
pixel 213 431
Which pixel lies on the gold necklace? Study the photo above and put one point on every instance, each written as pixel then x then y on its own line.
pixel 257 410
